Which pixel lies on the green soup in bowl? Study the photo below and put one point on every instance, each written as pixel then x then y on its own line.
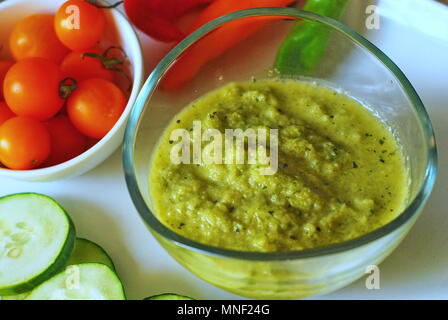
pixel 303 228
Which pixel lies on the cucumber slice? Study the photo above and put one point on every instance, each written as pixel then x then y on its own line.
pixel 88 251
pixel 21 296
pixel 85 281
pixel 36 241
pixel 168 296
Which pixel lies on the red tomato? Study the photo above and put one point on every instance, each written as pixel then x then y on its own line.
pixel 24 143
pixel 4 67
pixel 66 142
pixel 5 112
pixel 81 68
pixel 34 36
pixel 31 88
pixel 95 107
pixel 79 24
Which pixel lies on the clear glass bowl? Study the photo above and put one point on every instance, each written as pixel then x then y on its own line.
pixel 350 62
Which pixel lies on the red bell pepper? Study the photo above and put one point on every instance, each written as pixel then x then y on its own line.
pixel 220 40
pixel 157 18
pixel 223 7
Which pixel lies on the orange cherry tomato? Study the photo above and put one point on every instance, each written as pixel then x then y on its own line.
pixel 79 24
pixel 4 67
pixel 95 107
pixel 31 88
pixel 5 112
pixel 34 36
pixel 24 143
pixel 66 142
pixel 79 67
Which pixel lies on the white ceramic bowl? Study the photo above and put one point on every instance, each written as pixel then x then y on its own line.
pixel 119 32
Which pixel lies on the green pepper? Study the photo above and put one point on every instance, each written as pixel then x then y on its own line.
pixel 305 44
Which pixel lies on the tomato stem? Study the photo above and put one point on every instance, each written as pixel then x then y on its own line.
pixel 65 90
pixel 107 63
pixel 111 63
pixel 96 4
pixel 106 52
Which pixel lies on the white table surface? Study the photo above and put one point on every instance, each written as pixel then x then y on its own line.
pixel 414 33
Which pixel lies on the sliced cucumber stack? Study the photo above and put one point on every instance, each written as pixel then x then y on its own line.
pixel 88 251
pixel 84 251
pixel 36 241
pixel 85 281
pixel 168 296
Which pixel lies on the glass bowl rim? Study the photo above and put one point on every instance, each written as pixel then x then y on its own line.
pixel 151 83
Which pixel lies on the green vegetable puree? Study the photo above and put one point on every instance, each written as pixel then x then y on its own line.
pixel 340 171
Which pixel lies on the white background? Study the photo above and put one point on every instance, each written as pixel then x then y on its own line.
pixel 414 33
